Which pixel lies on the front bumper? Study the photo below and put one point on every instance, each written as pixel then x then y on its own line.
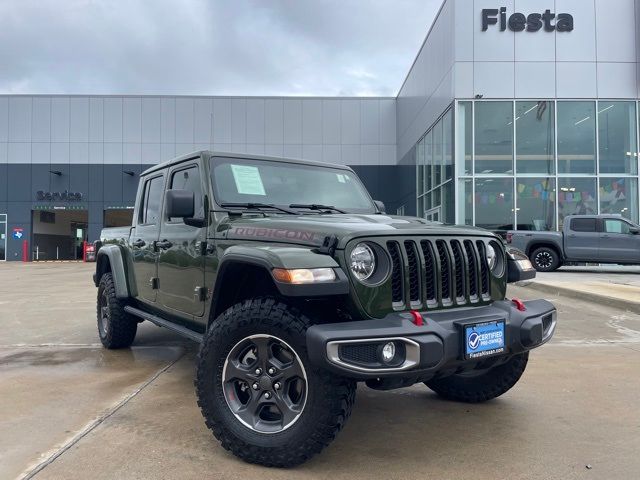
pixel 433 349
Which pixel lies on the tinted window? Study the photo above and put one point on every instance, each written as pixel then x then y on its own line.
pixel 616 226
pixel 151 200
pixel 583 224
pixel 189 179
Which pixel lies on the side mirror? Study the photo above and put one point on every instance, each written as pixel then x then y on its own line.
pixel 179 204
pixel 380 206
pixel 634 230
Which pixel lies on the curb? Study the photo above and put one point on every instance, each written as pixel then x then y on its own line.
pixel 586 296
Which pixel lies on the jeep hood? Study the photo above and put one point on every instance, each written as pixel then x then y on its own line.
pixel 314 228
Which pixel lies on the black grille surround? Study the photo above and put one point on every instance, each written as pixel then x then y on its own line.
pixel 434 273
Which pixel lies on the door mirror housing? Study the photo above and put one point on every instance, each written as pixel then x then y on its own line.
pixel 634 230
pixel 380 206
pixel 179 204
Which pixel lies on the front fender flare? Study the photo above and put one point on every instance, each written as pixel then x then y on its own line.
pixel 270 257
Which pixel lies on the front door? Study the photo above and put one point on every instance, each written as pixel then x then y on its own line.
pixel 181 256
pixel 617 243
pixel 582 241
pixel 144 237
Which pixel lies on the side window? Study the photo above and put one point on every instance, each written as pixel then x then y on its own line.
pixel 189 179
pixel 151 201
pixel 583 224
pixel 616 226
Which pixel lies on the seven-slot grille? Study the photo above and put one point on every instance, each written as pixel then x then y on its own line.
pixel 438 273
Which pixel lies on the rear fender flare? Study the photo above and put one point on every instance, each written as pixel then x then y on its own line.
pixel 112 258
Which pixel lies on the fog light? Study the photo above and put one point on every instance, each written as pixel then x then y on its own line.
pixel 388 352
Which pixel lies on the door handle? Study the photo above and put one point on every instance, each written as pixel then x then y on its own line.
pixel 139 243
pixel 164 244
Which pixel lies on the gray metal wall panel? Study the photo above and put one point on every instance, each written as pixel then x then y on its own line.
pixel 40 180
pixel 96 153
pixel 41 123
pixel 96 119
pixel 311 121
pixel 184 120
pixel 79 153
pixel 4 119
pixel 150 153
pixel 203 112
pixel 20 119
pixel 615 31
pixel 79 119
pixel 222 120
pixel 60 117
pixel 274 121
pixel 130 183
pixel 60 153
pixel 96 183
pixel 18 182
pixel 20 214
pixel 41 153
pixel 112 181
pixel 168 120
pixel 239 120
pixel 579 45
pixel 112 153
pixel 292 122
pixel 79 179
pixel 150 122
pixel 59 183
pixel 19 153
pixel 350 126
pixel 3 184
pixel 113 119
pixel 132 119
pixel 331 121
pixel 4 152
pixel 131 153
pixel 255 121
pixel 370 121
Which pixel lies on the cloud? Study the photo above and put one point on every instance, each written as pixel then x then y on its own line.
pixel 207 47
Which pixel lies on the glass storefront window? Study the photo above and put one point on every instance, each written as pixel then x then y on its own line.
pixel 494 137
pixel 428 152
pixel 536 203
pixel 617 137
pixel 447 147
pixel 576 196
pixel 465 201
pixel 3 237
pixel 576 137
pixel 437 154
pixel 494 203
pixel 619 196
pixel 420 166
pixel 465 137
pixel 535 137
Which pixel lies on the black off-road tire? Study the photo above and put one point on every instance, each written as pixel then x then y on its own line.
pixel 119 329
pixel 329 398
pixel 482 387
pixel 545 259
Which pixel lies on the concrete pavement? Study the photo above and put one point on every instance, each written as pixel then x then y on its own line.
pixel 70 410
pixel 613 285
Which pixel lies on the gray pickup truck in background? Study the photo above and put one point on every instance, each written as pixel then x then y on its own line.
pixel 585 238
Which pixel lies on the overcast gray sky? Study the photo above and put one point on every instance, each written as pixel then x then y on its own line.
pixel 210 47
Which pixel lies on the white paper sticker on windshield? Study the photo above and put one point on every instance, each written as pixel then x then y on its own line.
pixel 248 180
pixel 340 178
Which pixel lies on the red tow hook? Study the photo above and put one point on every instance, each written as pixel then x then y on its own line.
pixel 519 304
pixel 418 321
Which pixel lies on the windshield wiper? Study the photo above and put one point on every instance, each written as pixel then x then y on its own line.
pixel 259 206
pixel 316 206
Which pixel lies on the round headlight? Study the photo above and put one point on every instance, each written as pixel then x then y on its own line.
pixel 362 261
pixel 491 257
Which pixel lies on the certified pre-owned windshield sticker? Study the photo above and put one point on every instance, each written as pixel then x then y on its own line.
pixel 248 180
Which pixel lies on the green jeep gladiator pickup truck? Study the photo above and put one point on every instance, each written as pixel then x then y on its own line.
pixel 297 285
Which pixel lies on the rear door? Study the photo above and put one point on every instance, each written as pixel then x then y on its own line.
pixel 145 235
pixel 618 244
pixel 181 256
pixel 582 241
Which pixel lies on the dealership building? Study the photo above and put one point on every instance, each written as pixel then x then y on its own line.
pixel 514 114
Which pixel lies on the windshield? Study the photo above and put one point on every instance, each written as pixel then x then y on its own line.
pixel 240 180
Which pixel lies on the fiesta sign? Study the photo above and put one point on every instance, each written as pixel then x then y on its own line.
pixel 533 22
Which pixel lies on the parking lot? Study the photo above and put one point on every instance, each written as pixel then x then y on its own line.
pixel 71 410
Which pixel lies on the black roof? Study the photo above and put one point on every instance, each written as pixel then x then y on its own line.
pixel 210 153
